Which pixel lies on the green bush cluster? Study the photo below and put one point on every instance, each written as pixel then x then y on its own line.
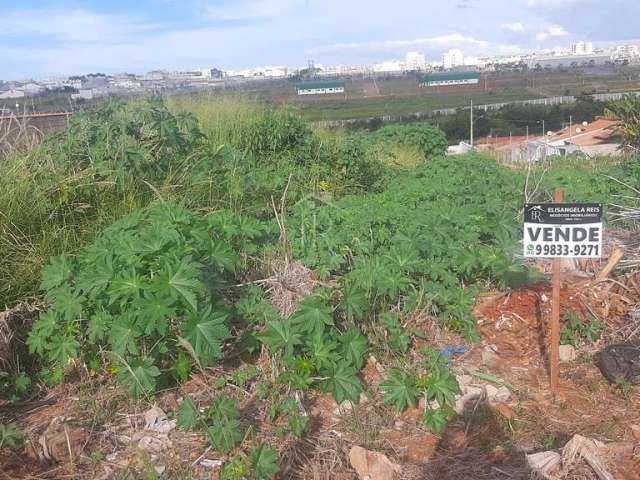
pixel 425 238
pixel 148 290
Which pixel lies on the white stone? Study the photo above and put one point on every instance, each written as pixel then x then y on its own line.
pixel 567 353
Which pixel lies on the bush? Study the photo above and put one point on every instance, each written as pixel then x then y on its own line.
pixel 275 131
pixel 427 237
pixel 151 282
pixel 428 139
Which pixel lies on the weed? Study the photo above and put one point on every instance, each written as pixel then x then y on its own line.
pixel 577 331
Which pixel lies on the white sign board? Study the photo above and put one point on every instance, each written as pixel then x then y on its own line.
pixel 571 230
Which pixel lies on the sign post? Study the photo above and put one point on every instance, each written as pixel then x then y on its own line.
pixel 561 230
pixel 554 347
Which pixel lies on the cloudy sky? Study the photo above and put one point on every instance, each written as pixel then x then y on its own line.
pixel 48 37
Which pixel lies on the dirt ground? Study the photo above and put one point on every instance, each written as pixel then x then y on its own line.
pixel 90 428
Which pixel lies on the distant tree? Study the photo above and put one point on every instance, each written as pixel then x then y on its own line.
pixel 627 112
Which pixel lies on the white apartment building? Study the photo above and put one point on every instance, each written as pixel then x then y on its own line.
pixel 626 51
pixel 388 67
pixel 415 61
pixel 452 58
pixel 582 48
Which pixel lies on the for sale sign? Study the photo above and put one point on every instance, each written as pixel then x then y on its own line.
pixel 553 230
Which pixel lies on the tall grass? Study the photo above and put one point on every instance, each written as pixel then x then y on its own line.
pixel 44 211
pixel 224 119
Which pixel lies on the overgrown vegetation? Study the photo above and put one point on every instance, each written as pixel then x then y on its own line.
pixel 150 236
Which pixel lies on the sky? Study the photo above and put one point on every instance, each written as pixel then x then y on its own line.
pixel 40 38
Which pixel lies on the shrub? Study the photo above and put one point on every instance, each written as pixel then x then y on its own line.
pixel 150 283
pixel 428 139
pixel 275 131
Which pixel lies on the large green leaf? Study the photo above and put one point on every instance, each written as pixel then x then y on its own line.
pixel 225 435
pixel 206 331
pixel 139 375
pixel 187 416
pixel 264 461
pixel 313 315
pixel 281 334
pixel 63 348
pixel 123 335
pixel 322 351
pixel 55 273
pixel 354 347
pixel 400 390
pixel 343 383
pixel 180 280
pixel 67 302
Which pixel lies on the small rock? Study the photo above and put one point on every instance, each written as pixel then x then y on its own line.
pixel 567 353
pixel 420 450
pixel 154 444
pixel 155 420
pixel 464 379
pixel 489 356
pixel 344 408
pixel 505 410
pixel 544 463
pixel 373 465
pixel 635 431
pixel 62 441
pixel 502 395
pixel 206 463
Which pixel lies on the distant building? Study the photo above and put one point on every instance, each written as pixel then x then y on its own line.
pixel 83 94
pixel 452 59
pixel 415 61
pixel 33 89
pixel 582 48
pixel 388 67
pixel 569 61
pixel 320 88
pixel 449 79
pixel 622 52
pixel 13 93
pixel 600 137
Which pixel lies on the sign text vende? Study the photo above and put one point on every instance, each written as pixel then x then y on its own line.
pixel 563 230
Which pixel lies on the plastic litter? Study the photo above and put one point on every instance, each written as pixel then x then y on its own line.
pixel 450 351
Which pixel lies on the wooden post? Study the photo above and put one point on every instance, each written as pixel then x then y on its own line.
pixel 554 347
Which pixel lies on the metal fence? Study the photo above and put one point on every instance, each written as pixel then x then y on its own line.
pixel 601 97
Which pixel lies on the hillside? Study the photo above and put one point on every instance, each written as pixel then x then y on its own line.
pixel 218 290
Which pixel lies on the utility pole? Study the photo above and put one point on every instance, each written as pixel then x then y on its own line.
pixel 570 126
pixel 472 124
pixel 527 133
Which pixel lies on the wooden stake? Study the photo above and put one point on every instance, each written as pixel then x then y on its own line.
pixel 615 258
pixel 554 347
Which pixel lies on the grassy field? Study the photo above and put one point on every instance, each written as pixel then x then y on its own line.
pixel 341 109
pixel 402 96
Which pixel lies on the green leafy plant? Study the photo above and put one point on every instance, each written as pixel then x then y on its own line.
pixel 224 430
pixel 577 331
pixel 264 462
pixel 438 235
pixel 310 343
pixel 10 436
pixel 220 421
pixel 437 385
pixel 149 290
